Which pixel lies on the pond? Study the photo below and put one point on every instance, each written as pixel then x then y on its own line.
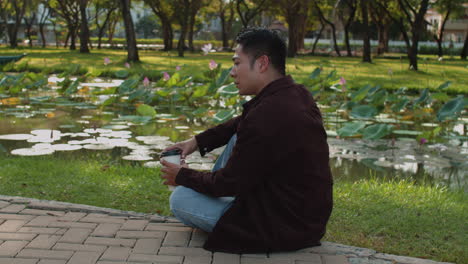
pixel 45 121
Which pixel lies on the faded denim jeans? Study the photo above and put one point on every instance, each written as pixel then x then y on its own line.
pixel 199 210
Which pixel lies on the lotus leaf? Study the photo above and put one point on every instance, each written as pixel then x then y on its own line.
pixel 315 74
pixel 371 164
pixel 445 85
pixel 377 131
pixel 351 129
pixel 146 110
pixel 175 78
pixel 136 119
pixel 223 77
pixel 360 94
pixel 364 111
pixel 128 85
pixel 423 98
pixel 452 108
pixel 223 115
pixel 228 90
pixel 121 74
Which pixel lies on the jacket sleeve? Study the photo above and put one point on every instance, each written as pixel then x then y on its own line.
pixel 245 169
pixel 217 136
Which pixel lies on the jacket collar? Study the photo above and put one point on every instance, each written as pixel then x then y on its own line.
pixel 271 88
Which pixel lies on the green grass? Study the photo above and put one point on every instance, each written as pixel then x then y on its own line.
pixel 432 72
pixel 391 216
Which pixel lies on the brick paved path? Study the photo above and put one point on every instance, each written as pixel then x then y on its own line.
pixel 46 232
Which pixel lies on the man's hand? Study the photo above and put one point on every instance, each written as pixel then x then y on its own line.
pixel 188 147
pixel 170 171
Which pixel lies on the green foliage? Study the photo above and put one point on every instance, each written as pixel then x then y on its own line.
pixel 451 109
pixel 146 110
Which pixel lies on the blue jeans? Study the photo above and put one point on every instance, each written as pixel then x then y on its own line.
pixel 199 210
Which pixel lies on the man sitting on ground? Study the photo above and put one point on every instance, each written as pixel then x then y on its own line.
pixel 271 188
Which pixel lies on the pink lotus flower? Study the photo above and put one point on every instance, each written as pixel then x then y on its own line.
pixel 207 48
pixel 127 65
pixel 166 76
pixel 106 60
pixel 146 82
pixel 422 141
pixel 177 68
pixel 213 65
pixel 343 84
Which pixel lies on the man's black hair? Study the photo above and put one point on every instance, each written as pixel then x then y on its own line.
pixel 257 42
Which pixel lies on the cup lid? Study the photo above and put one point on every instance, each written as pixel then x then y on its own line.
pixel 172 152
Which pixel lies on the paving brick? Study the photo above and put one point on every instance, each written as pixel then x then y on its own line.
pixel 199 260
pixel 41 212
pixel 184 251
pixel 15 217
pixel 47 205
pixel 252 260
pixel 11 248
pixel 4 204
pixel 330 259
pixel 196 243
pixel 198 234
pixel 41 221
pixel 75 235
pixel 38 230
pixel 12 225
pixel 13 208
pixel 106 230
pixel 43 242
pixel 17 261
pixel 79 247
pixel 16 236
pixel 310 257
pixel 308 262
pixel 84 258
pixel 110 241
pixel 155 258
pixel 116 254
pixel 161 227
pixel 107 219
pixel 179 239
pixel 147 245
pixel 45 254
pixel 224 258
pixel 140 234
pixel 52 261
pixel 72 224
pixel 61 231
pixel 72 217
pixel 136 225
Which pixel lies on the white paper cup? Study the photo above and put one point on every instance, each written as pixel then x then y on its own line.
pixel 172 156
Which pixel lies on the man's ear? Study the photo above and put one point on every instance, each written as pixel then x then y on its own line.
pixel 263 62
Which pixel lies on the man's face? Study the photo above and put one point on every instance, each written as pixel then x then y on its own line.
pixel 245 76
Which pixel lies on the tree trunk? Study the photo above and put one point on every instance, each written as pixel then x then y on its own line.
pixel 417 28
pixel 132 51
pixel 366 54
pixel 348 46
pixel 322 27
pixel 167 33
pixel 193 13
pixel 222 16
pixel 464 51
pixel 292 45
pixel 84 32
pixel 72 35
pixel 41 31
pixel 183 17
pixel 440 36
pixel 29 24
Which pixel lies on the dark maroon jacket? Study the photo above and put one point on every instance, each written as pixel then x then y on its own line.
pixel 278 172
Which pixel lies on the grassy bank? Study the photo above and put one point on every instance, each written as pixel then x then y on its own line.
pixel 390 73
pixel 396 217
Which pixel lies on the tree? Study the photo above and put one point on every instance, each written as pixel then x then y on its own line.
pixel 132 50
pixel 296 13
pixel 195 6
pixel 105 9
pixel 15 10
pixel 248 10
pixel 165 12
pixel 445 8
pixel 348 7
pixel 69 10
pixel 412 16
pixel 322 17
pixel 182 15
pixel 226 23
pixel 84 29
pixel 44 15
pixel 383 22
pixel 147 25
pixel 464 51
pixel 366 52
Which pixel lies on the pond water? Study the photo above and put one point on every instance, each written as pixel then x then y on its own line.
pixel 44 123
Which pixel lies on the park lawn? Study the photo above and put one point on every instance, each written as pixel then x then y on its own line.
pixel 390 73
pixel 390 216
